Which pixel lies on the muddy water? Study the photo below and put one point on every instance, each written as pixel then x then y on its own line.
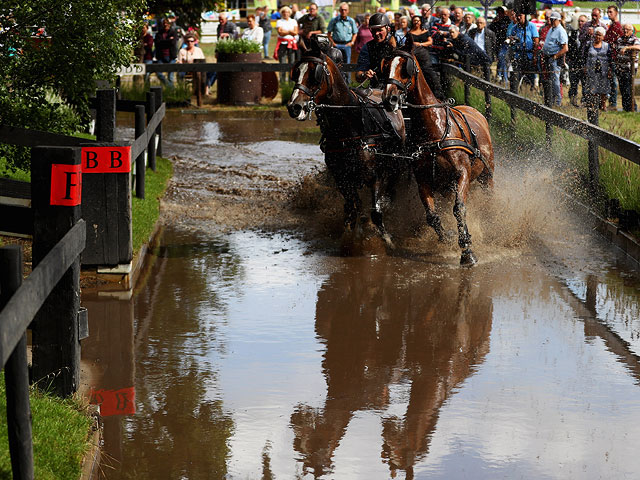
pixel 264 353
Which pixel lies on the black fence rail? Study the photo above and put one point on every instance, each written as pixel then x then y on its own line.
pixel 596 136
pixel 106 175
pixel 230 67
pixel 48 302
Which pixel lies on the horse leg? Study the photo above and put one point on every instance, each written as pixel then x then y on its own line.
pixel 352 206
pixel 378 201
pixel 426 195
pixel 460 212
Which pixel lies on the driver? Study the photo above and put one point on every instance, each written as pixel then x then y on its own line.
pixel 382 45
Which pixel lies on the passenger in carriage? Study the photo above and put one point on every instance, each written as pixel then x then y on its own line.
pixel 383 44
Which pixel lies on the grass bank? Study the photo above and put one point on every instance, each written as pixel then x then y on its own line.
pixel 145 212
pixel 61 431
pixel 619 178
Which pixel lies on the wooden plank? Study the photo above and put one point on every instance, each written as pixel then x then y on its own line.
pixel 14 188
pixel 607 140
pixel 16 374
pixel 20 310
pixel 230 67
pixel 16 219
pixel 32 138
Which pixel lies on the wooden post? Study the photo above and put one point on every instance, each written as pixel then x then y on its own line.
pixel 107 210
pixel 158 93
pixel 16 374
pixel 106 116
pixel 151 149
pixel 487 96
pixel 56 186
pixel 594 161
pixel 467 88
pixel 140 163
pixel 196 87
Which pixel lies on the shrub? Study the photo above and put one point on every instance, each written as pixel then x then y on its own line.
pixel 238 46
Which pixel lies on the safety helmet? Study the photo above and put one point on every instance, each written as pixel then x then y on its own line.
pixel 379 20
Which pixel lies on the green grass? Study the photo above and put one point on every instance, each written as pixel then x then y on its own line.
pixel 181 92
pixel 60 436
pixel 145 212
pixel 619 177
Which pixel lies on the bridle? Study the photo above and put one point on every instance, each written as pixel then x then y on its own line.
pixel 412 71
pixel 320 73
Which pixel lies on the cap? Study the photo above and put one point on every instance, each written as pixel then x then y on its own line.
pixel 555 16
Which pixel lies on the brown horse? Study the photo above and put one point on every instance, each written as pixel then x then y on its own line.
pixel 450 147
pixel 351 136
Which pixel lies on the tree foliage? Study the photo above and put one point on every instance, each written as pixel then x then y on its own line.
pixel 53 51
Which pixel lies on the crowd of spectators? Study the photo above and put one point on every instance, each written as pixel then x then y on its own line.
pixel 567 56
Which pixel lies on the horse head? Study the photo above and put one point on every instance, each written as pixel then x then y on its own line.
pixel 400 69
pixel 316 76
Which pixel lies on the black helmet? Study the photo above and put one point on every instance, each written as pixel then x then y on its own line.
pixel 379 20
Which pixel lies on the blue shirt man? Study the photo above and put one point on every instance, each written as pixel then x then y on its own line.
pixel 524 36
pixel 555 46
pixel 342 31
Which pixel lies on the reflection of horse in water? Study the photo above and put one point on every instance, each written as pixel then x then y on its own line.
pixel 428 334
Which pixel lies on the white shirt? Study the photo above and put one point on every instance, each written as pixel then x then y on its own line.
pixel 288 25
pixel 255 34
pixel 479 38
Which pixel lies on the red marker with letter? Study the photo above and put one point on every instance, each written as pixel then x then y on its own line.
pixel 66 185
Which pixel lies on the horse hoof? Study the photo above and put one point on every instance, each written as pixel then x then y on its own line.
pixel 388 242
pixel 468 259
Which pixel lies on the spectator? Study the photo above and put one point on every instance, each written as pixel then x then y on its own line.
pixel 598 70
pixel 166 49
pixel 253 32
pixel 614 31
pixel 456 16
pixel 311 23
pixel 499 26
pixel 484 38
pixel 421 36
pixel 524 39
pixel 189 54
pixel 396 21
pixel 226 29
pixel 627 47
pixel 463 45
pixel 264 22
pixel 468 23
pixel 287 45
pixel 575 59
pixel 364 35
pixel 588 29
pixel 178 29
pixel 401 33
pixel 440 35
pixel 553 51
pixel 342 32
pixel 296 14
pixel 425 13
pixel 144 51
